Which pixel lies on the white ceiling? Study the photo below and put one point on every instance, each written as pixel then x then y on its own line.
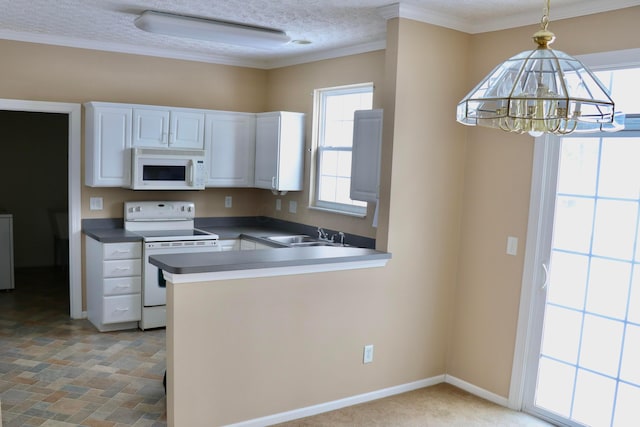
pixel 335 27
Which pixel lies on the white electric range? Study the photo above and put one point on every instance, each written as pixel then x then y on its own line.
pixel 166 228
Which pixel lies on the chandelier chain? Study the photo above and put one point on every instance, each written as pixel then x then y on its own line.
pixel 545 15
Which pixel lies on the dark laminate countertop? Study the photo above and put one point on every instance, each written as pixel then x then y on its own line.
pixel 211 262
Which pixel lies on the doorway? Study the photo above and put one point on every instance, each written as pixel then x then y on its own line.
pixel 73 114
pixel 581 286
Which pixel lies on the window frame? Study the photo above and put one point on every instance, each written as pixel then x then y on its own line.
pixel 319 103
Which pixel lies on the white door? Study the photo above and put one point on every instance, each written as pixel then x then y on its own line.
pixel 586 369
pixel 581 286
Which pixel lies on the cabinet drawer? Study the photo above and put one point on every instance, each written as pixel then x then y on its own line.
pixel 122 268
pixel 125 250
pixel 122 308
pixel 122 285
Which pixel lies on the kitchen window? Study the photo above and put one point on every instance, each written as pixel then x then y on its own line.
pixel 333 138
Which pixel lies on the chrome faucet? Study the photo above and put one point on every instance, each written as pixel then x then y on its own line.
pixel 322 235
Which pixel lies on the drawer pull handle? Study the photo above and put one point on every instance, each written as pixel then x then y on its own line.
pixel 123 286
pixel 122 268
pixel 122 251
pixel 122 310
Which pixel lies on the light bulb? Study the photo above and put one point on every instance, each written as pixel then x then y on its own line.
pixel 536 133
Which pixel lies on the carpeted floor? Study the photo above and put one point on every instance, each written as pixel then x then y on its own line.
pixel 437 406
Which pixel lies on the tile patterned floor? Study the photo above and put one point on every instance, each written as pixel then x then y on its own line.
pixel 55 371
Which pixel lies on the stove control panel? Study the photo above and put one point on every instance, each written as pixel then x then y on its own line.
pixel 159 211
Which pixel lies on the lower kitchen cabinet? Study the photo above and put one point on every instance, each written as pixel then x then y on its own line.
pixel 114 300
pixel 249 245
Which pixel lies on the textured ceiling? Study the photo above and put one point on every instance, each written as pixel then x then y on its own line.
pixel 334 27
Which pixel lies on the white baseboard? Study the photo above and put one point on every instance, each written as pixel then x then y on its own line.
pixel 477 391
pixel 337 404
pixel 374 395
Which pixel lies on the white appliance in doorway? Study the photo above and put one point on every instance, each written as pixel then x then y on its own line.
pixel 6 251
pixel 166 228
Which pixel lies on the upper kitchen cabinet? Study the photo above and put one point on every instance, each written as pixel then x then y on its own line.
pixel 108 138
pixel 230 141
pixel 365 159
pixel 168 128
pixel 279 151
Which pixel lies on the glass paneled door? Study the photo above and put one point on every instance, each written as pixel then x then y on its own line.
pixel 588 361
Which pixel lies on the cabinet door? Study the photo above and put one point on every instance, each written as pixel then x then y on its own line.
pixel 267 151
pixel 150 128
pixel 365 160
pixel 186 130
pixel 230 149
pixel 108 139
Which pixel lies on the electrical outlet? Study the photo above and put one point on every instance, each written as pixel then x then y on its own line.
pixel 95 203
pixel 367 354
pixel 228 201
pixel 278 204
pixel 293 206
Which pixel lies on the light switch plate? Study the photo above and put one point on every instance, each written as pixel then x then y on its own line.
pixel 512 245
pixel 278 204
pixel 228 201
pixel 293 206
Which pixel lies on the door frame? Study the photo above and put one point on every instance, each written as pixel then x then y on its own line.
pixel 534 276
pixel 74 114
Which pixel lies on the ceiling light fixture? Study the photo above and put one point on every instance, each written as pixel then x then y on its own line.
pixel 541 91
pixel 211 30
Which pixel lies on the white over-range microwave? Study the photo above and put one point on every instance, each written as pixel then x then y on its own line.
pixel 167 169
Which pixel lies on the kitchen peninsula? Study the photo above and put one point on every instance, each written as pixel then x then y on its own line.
pixel 231 314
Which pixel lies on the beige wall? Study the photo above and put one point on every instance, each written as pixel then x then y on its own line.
pixel 278 344
pixel 496 203
pixel 291 88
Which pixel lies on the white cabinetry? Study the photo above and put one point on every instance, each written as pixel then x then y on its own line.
pixel 279 151
pixel 113 284
pixel 168 128
pixel 365 160
pixel 226 245
pixel 250 245
pixel 108 138
pixel 230 141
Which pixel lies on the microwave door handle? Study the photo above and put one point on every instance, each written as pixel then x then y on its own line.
pixel 191 172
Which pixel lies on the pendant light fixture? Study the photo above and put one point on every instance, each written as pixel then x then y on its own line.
pixel 541 91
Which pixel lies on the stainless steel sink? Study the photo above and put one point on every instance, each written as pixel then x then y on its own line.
pixel 301 240
pixel 292 240
pixel 314 243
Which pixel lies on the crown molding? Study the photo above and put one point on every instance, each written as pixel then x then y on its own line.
pixel 585 7
pixel 129 49
pixel 380 44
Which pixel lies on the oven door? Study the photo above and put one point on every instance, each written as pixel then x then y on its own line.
pixel 154 291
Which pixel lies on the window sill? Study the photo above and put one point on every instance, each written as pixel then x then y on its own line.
pixel 335 211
